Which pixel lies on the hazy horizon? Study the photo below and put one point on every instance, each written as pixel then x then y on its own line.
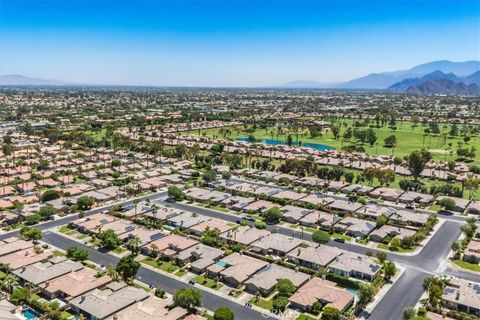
pixel 230 44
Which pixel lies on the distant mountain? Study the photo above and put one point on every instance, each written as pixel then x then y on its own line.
pixel 18 80
pixel 444 86
pixel 410 82
pixel 308 84
pixel 386 79
pixel 473 78
pixel 404 85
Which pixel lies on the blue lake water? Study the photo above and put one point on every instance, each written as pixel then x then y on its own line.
pixel 275 142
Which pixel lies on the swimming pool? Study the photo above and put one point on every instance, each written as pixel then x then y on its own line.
pixel 30 314
pixel 220 264
pixel 355 293
pixel 274 142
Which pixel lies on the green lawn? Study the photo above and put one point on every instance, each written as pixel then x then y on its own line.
pixel 57 253
pixel 207 282
pixel 218 208
pixel 262 303
pixel 467 265
pixel 95 242
pixel 66 230
pixel 97 135
pixel 180 272
pixel 394 249
pixel 341 236
pixel 408 139
pixel 119 250
pixel 166 266
pixel 305 317
pixel 81 236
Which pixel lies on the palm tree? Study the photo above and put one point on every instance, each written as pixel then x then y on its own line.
pixel 112 272
pixel 134 245
pixel 10 281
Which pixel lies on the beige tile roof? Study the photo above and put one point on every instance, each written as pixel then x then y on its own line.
pixel 24 258
pixel 75 283
pixel 152 308
pixel 324 291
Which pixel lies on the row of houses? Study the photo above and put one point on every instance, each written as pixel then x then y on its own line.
pixel 81 289
pixel 237 269
pixel 73 174
pixel 355 160
pixel 352 218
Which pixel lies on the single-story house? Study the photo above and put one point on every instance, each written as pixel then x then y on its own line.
pixel 313 257
pixel 244 235
pixel 101 304
pixel 323 291
pixel 275 244
pixel 265 280
pixel 235 269
pixel 355 265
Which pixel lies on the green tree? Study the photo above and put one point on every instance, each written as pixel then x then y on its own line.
pixel 285 287
pixel 188 298
pixel 47 211
pixel 389 269
pixel 19 296
pixel 371 137
pixel 416 162
pixel 77 254
pixel 366 292
pixel 50 195
pixel 128 267
pixel 381 220
pixel 434 287
pixel 85 202
pixel 33 234
pixel 280 303
pixel 381 256
pixel 223 313
pixel 447 203
pixel 9 282
pixel 273 215
pixel 390 141
pixel 109 239
pixel 175 193
pixel 320 236
pixel 210 176
pixel 330 313
pixel 409 313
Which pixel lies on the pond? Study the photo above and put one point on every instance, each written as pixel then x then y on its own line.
pixel 316 146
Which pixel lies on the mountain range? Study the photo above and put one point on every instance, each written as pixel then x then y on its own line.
pixel 18 80
pixel 444 86
pixel 405 84
pixel 467 73
pixel 384 80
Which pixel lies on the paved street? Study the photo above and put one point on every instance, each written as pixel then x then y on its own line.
pixel 405 292
pixel 211 301
pixel 408 289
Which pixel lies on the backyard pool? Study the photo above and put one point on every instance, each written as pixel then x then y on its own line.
pixel 30 314
pixel 355 293
pixel 274 142
pixel 221 264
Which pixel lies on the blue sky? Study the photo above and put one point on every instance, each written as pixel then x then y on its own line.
pixel 230 43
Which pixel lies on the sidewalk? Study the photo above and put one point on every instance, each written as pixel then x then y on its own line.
pixel 383 292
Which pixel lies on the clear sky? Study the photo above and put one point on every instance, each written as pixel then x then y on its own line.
pixel 230 42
